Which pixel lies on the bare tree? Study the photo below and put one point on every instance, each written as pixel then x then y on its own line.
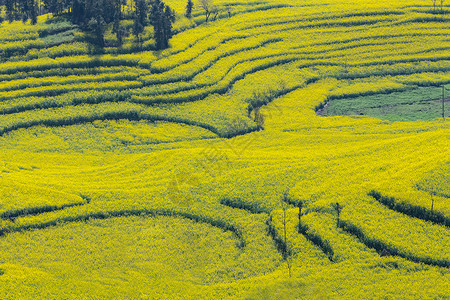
pixel 338 208
pixel 215 11
pixel 208 7
pixel 228 9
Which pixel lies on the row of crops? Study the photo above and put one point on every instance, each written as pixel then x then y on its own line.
pixel 214 62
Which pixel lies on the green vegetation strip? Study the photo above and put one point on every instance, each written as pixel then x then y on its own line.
pixel 32 211
pixel 132 116
pixel 414 211
pixel 254 208
pixel 135 212
pixel 317 240
pixel 381 247
pixel 328 21
pixel 279 242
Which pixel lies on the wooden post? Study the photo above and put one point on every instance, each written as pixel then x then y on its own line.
pixel 300 206
pixel 443 102
pixel 284 224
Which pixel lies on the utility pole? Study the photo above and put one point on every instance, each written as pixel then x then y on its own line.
pixel 443 102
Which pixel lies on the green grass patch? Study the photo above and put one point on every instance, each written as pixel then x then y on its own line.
pixel 423 103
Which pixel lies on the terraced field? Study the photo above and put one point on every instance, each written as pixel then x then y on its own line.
pixel 142 174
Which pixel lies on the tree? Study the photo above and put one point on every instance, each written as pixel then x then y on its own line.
pixel 78 11
pixel 215 12
pixel 228 9
pixel 118 29
pixel 432 200
pixel 338 208
pixel 97 27
pixel 30 11
pixel 56 6
pixel 208 7
pixel 189 7
pixel 162 17
pixel 140 18
pixel 93 16
pixel 21 10
pixel 10 10
pixel 169 18
pixel 97 23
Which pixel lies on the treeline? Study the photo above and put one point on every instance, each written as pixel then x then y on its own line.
pixel 21 10
pixel 95 16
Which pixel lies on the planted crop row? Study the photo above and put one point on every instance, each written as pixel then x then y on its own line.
pixel 58 72
pixel 58 89
pixel 17 31
pixel 253 207
pixel 380 246
pixel 18 105
pixel 406 74
pixel 8 49
pixel 31 211
pixel 141 212
pixel 55 28
pixel 210 50
pixel 209 44
pixel 22 104
pixel 319 227
pixel 66 49
pixel 86 113
pixel 300 241
pixel 196 44
pixel 379 227
pixel 20 198
pixel 281 245
pixel 234 74
pixel 350 24
pixel 195 67
pixel 414 211
pixel 82 61
pixel 30 82
pixel 35 103
pixel 207 59
pixel 317 240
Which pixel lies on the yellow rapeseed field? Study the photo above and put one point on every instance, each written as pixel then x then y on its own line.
pixel 176 174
